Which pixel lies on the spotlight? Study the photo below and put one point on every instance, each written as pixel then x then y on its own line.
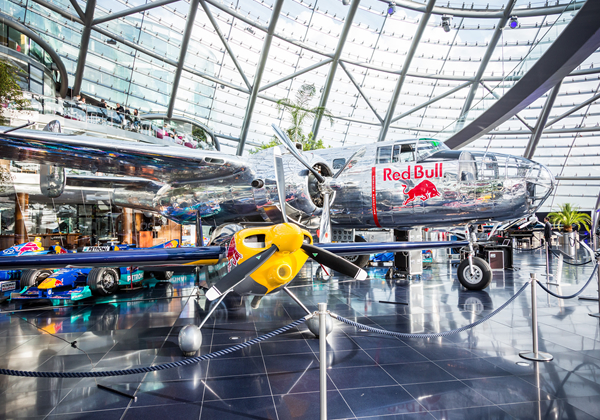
pixel 446 20
pixel 345 2
pixel 391 9
pixel 111 41
pixel 513 22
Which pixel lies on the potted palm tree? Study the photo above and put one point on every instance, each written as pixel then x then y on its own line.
pixel 568 216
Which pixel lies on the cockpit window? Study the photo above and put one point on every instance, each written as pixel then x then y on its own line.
pixel 427 147
pixel 384 154
pixel 403 153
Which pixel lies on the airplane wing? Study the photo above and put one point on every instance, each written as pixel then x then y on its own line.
pixel 190 256
pixel 163 163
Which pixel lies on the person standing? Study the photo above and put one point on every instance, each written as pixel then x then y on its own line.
pixel 548 231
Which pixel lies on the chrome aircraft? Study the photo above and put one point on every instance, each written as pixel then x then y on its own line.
pixel 394 184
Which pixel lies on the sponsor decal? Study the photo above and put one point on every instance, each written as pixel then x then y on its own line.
pixel 8 285
pixel 29 247
pixel 413 172
pixel 423 190
pixel 96 248
pixel 233 256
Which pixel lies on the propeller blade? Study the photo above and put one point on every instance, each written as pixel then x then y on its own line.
pixel 239 274
pixel 334 262
pixel 352 161
pixel 292 149
pixel 280 179
pixel 324 224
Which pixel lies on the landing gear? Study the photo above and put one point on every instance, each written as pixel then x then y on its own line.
pixel 479 278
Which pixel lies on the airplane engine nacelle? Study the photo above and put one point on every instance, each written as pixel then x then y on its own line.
pixel 52 180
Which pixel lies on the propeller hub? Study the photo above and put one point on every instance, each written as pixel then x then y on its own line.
pixel 287 237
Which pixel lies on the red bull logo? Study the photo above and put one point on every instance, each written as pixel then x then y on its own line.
pixel 413 172
pixel 233 256
pixel 29 247
pixel 424 190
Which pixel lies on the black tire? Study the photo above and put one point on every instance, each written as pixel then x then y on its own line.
pixel 103 281
pixel 163 275
pixel 359 260
pixel 34 277
pixel 482 274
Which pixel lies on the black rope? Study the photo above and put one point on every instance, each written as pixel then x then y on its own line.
pixel 432 335
pixel 573 295
pixel 185 362
pixel 569 263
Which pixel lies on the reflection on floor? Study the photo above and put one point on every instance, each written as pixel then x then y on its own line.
pixel 473 375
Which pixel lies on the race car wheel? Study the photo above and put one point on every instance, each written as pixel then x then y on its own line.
pixel 103 281
pixel 162 275
pixel 359 260
pixel 481 277
pixel 34 277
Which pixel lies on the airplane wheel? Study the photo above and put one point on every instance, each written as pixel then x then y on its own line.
pixel 482 274
pixel 162 275
pixel 103 281
pixel 34 277
pixel 359 260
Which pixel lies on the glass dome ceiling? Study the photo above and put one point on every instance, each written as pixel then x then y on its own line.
pixel 426 70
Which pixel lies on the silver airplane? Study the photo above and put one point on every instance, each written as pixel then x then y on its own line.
pixel 392 184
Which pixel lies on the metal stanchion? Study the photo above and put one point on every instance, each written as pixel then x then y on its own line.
pixel 548 275
pixel 535 355
pixel 597 315
pixel 323 358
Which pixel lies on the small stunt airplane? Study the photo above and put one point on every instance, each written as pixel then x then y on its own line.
pixel 392 184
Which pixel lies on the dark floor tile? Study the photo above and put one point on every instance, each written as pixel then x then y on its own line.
pixel 589 405
pixel 379 401
pixel 236 366
pixel 296 382
pixel 285 363
pixel 507 389
pixel 406 354
pixel 307 406
pixel 236 387
pixel 241 408
pixel 446 395
pixel 412 373
pixel 488 413
pixel 115 414
pixel 95 399
pixel 29 404
pixel 435 352
pixel 166 412
pixel 163 393
pixel 556 409
pixel 471 368
pixel 423 415
pixel 360 377
pixel 270 348
pixel 377 342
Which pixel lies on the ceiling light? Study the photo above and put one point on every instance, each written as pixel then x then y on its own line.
pixel 446 20
pixel 111 41
pixel 345 2
pixel 391 9
pixel 513 22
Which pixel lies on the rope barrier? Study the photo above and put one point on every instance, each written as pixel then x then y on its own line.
pixel 573 295
pixel 432 335
pixel 164 366
pixel 569 263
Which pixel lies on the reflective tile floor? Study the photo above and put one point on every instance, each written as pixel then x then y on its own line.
pixel 476 374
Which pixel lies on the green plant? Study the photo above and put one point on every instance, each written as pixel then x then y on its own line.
pixel 299 113
pixel 10 91
pixel 568 216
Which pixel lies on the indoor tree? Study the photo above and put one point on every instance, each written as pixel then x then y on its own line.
pixel 569 215
pixel 299 113
pixel 10 91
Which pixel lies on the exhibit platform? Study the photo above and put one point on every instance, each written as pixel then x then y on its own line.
pixel 476 374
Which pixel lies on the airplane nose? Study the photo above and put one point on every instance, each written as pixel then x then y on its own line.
pixel 544 182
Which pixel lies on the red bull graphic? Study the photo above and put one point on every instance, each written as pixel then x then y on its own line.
pixel 233 256
pixel 416 172
pixel 423 190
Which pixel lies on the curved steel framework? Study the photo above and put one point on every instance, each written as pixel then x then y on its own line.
pixel 422 101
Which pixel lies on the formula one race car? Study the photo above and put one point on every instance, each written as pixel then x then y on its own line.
pixel 13 280
pixel 79 283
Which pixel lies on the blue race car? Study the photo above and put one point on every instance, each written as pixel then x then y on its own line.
pixel 80 283
pixel 13 280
